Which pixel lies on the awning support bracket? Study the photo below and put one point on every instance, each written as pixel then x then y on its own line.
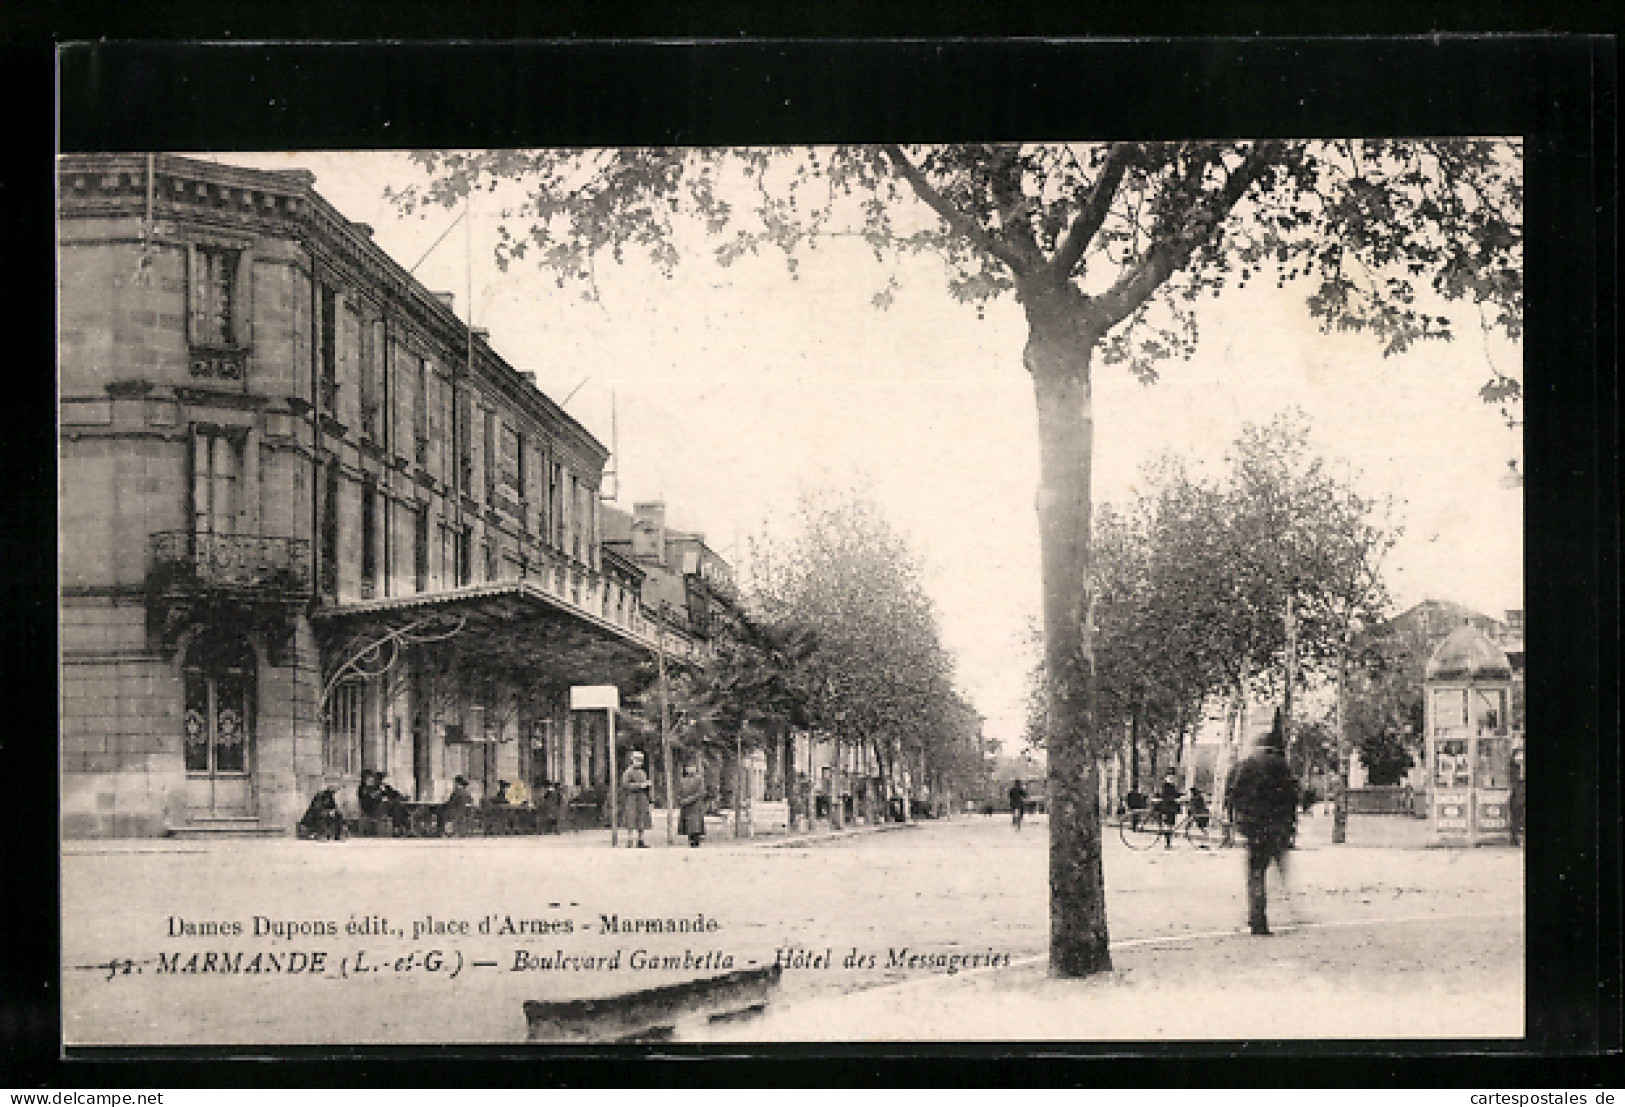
pixel 369 656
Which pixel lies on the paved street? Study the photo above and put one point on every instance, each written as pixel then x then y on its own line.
pixel 1381 937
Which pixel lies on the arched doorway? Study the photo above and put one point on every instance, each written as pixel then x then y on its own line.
pixel 218 736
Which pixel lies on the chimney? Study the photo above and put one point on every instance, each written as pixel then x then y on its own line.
pixel 364 228
pixel 445 298
pixel 649 532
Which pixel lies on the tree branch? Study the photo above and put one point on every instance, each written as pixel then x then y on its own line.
pixel 956 219
pixel 1086 224
pixel 1170 254
pixel 1007 196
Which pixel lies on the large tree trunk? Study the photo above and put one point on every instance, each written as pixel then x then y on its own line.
pixel 1058 352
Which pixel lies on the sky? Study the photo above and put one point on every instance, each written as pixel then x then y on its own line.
pixel 733 390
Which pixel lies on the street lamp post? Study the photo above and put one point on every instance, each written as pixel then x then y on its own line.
pixel 1287 729
pixel 665 721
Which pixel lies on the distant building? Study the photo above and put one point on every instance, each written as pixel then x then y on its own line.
pixel 681 574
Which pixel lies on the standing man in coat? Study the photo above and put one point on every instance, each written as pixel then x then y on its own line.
pixel 635 787
pixel 691 797
pixel 1265 799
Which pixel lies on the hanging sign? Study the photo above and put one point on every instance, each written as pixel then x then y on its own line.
pixel 595 697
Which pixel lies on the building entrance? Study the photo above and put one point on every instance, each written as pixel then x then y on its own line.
pixel 219 737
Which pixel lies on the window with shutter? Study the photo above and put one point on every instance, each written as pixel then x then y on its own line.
pixel 420 410
pixel 216 482
pixel 420 549
pixel 488 451
pixel 369 540
pixel 367 366
pixel 327 324
pixel 219 318
pixel 465 442
pixel 330 529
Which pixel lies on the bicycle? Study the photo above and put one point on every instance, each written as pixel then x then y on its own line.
pixel 1143 828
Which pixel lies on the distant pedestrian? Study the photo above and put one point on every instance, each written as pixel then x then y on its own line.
pixel 691 798
pixel 1515 801
pixel 1198 808
pixel 1167 807
pixel 1018 803
pixel 635 787
pixel 1264 797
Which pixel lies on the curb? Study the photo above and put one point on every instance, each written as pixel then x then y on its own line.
pixel 834 835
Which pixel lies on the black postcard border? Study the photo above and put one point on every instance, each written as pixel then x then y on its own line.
pixel 1557 91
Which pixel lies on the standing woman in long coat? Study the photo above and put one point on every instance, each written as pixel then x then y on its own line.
pixel 691 796
pixel 635 788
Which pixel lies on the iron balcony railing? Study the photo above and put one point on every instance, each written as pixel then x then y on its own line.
pixel 186 560
pixel 220 363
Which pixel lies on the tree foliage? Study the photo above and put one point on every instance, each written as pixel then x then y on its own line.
pixel 878 675
pixel 1193 579
pixel 1382 700
pixel 1140 232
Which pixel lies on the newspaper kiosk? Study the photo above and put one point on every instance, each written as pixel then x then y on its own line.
pixel 1468 686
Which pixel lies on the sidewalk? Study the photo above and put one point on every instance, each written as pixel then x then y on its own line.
pixel 1398 978
pixel 719 835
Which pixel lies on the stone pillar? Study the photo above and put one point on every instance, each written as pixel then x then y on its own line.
pixel 567 729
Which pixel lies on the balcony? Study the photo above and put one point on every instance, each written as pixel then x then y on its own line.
pixel 241 578
pixel 233 562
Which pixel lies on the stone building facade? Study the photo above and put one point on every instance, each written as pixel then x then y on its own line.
pixel 310 522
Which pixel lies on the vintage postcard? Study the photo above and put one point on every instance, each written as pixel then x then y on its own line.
pixel 1035 591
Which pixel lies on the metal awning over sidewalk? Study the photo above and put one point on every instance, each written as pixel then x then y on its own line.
pixel 515 626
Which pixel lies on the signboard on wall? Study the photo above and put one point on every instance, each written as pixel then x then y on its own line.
pixel 1450 810
pixel 1493 812
pixel 595 697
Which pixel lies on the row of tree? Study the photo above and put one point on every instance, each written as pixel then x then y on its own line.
pixel 834 637
pixel 1256 581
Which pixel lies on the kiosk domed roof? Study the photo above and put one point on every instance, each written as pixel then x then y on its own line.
pixel 1468 654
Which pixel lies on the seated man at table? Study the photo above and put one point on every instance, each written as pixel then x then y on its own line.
pixel 458 805
pixel 323 818
pixel 378 800
pixel 549 806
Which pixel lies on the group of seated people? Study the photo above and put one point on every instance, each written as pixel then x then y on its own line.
pixel 377 800
pixel 1167 803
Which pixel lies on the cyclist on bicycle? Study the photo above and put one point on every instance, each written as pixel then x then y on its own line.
pixel 1167 807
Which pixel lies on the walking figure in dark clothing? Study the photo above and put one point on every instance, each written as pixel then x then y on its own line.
pixel 1018 803
pixel 1264 797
